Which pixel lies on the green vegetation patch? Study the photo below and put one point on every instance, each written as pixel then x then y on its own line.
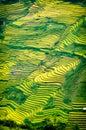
pixel 15 95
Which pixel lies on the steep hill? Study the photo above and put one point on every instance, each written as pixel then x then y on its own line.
pixel 42 62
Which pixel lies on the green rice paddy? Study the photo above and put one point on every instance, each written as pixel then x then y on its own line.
pixel 43 63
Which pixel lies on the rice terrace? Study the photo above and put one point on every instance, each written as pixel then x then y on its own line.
pixel 42 65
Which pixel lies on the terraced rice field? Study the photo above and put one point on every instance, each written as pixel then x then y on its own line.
pixel 77 116
pixel 42 63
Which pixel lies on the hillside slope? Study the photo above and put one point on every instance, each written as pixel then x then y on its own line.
pixel 42 62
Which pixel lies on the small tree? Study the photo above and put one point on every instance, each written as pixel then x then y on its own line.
pixel 2 28
pixel 60 126
pixel 76 127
